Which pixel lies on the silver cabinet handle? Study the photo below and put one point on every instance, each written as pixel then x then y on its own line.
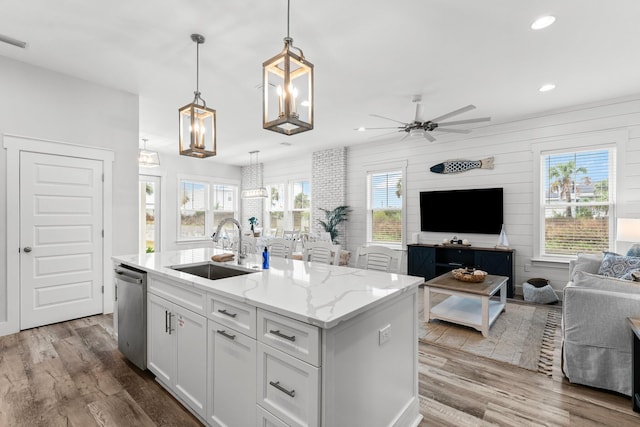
pixel 277 385
pixel 170 322
pixel 226 313
pixel 226 335
pixel 166 321
pixel 277 333
pixel 27 249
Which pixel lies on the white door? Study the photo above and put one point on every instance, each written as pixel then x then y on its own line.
pixel 60 238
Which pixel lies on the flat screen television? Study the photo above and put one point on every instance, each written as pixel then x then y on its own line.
pixel 462 211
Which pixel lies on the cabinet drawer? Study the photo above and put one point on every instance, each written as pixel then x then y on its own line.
pixel 296 338
pixel 288 387
pixel 267 419
pixel 189 298
pixel 234 314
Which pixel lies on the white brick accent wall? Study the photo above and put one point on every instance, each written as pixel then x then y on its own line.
pixel 328 186
pixel 251 178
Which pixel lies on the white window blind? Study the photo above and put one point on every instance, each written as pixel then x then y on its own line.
pixel 577 205
pixel 385 207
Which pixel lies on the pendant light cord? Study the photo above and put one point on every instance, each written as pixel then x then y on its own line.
pixel 288 12
pixel 197 92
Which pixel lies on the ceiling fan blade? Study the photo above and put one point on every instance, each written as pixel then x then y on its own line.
pixel 462 122
pixel 453 130
pixel 389 127
pixel 383 135
pixel 387 118
pixel 454 113
pixel 428 136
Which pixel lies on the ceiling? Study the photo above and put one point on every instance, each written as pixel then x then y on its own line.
pixel 369 56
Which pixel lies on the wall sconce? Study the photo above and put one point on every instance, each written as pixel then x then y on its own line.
pixel 287 90
pixel 197 122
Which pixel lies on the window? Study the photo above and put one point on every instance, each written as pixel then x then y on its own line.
pixel 202 205
pixel 300 211
pixel 275 208
pixel 385 213
pixel 577 207
pixel 289 206
pixel 149 213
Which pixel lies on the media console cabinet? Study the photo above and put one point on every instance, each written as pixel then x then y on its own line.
pixel 430 261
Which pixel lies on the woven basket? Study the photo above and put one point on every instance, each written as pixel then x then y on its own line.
pixel 465 275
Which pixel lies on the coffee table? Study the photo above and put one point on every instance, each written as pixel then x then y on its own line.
pixel 468 304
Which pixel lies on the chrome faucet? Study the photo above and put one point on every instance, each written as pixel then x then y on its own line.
pixel 215 236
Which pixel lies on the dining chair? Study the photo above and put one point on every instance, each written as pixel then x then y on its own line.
pixel 323 252
pixel 249 245
pixel 280 247
pixel 291 234
pixel 378 258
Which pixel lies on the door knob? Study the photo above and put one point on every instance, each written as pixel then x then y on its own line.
pixel 27 249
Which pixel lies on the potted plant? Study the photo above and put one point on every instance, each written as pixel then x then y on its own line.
pixel 334 217
pixel 253 221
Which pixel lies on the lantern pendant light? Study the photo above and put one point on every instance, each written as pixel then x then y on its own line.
pixel 287 102
pixel 197 122
pixel 148 158
pixel 255 189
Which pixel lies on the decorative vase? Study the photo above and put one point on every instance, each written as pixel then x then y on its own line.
pixel 503 242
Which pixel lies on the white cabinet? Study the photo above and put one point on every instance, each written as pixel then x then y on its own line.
pixel 232 377
pixel 177 348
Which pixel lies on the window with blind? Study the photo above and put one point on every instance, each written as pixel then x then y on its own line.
pixel 385 222
pixel 224 203
pixel 577 209
pixel 275 208
pixel 193 208
pixel 203 204
pixel 300 209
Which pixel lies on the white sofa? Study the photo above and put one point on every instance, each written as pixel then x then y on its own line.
pixel 596 337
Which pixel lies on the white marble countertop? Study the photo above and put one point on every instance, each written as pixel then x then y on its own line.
pixel 319 294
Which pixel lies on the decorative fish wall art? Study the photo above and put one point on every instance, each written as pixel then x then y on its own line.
pixel 457 166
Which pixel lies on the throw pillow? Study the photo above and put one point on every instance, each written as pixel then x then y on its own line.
pixel 589 263
pixel 614 265
pixel 631 275
pixel 594 281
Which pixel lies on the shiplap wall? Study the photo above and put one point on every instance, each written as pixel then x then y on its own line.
pixel 512 144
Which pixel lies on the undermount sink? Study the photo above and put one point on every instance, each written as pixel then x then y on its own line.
pixel 211 271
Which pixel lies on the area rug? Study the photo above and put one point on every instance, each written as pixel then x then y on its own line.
pixel 525 335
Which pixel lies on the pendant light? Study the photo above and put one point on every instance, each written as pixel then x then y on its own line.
pixel 197 122
pixel 257 192
pixel 148 158
pixel 287 102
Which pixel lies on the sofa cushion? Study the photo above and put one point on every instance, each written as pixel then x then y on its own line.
pixel 614 265
pixel 595 281
pixel 589 263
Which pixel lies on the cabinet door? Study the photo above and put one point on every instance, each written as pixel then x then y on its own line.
pixel 190 330
pixel 497 263
pixel 161 359
pixel 421 262
pixel 231 377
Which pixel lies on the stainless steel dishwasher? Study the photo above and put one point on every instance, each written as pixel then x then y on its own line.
pixel 131 296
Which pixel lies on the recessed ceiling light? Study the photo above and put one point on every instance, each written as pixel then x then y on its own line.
pixel 361 129
pixel 547 87
pixel 286 144
pixel 543 22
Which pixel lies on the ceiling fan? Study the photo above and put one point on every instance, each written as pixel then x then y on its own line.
pixel 420 127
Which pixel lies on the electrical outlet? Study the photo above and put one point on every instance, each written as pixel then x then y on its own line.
pixel 527 267
pixel 384 334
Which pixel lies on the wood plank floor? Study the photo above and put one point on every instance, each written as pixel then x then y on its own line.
pixel 72 374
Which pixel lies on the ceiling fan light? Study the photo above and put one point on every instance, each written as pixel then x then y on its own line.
pixel 416 133
pixel 543 22
pixel 547 87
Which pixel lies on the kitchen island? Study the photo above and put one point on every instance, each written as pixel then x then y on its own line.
pixel 299 344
